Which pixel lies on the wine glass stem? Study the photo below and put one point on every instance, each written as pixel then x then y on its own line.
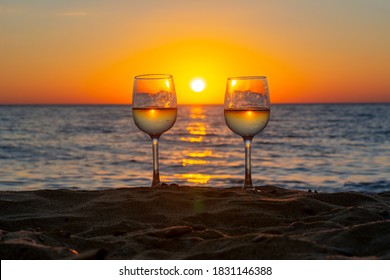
pixel 248 174
pixel 156 174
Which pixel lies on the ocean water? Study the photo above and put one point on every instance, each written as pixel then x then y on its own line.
pixel 338 147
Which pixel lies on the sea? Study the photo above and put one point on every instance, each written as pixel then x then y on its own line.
pixel 311 147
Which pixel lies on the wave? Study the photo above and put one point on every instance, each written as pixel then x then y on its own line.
pixel 375 186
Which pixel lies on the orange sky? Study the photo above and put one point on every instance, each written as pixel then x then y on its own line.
pixel 89 51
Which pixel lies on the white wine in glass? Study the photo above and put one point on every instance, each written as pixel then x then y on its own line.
pixel 247 112
pixel 154 110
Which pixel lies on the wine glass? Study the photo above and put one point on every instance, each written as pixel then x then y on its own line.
pixel 247 112
pixel 154 110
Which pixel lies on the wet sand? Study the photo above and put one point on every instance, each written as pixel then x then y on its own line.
pixel 179 222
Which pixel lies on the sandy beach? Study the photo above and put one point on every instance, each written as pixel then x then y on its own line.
pixel 177 222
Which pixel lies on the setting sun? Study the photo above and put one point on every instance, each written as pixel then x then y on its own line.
pixel 198 84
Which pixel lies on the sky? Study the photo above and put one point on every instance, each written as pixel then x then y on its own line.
pixel 88 52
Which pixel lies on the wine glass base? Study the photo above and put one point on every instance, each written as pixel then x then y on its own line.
pixel 248 187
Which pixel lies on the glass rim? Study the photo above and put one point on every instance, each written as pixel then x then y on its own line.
pixel 248 78
pixel 153 76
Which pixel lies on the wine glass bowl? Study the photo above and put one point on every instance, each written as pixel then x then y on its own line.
pixel 154 121
pixel 247 112
pixel 154 110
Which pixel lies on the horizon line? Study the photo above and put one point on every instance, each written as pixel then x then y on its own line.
pixel 188 104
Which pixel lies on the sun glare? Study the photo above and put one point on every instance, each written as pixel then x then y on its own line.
pixel 198 84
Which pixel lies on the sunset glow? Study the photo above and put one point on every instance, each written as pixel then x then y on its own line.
pixel 89 52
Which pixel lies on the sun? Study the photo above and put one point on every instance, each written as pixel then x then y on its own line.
pixel 197 84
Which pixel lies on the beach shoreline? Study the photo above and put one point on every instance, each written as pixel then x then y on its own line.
pixel 181 222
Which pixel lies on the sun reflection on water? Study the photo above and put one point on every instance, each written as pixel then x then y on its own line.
pixel 195 178
pixel 197 113
pixel 186 162
pixel 197 130
pixel 200 154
